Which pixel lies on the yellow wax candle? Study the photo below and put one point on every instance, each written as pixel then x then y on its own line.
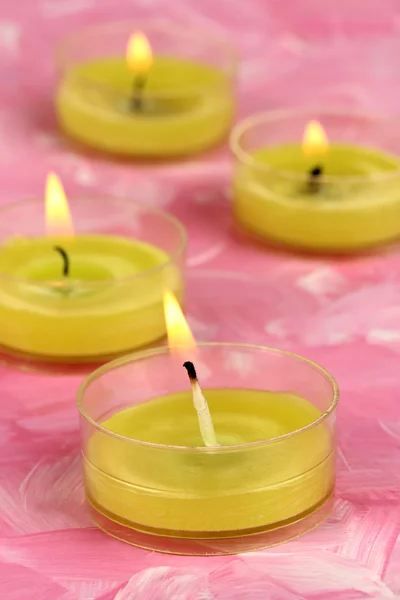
pixel 353 205
pixel 173 106
pixel 110 302
pixel 86 297
pixel 179 491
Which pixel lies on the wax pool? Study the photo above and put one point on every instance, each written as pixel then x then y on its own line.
pixel 274 201
pixel 187 106
pixel 110 303
pixel 244 487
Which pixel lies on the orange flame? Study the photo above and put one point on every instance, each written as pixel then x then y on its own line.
pixel 315 141
pixel 178 331
pixel 139 56
pixel 58 218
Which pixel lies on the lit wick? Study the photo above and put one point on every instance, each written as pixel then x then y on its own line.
pixel 315 143
pixel 65 259
pixel 314 179
pixel 139 84
pixel 139 59
pixel 201 406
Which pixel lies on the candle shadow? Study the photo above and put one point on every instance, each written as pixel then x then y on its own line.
pixel 39 365
pixel 137 161
pixel 244 237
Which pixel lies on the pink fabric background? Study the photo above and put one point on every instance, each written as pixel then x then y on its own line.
pixel 343 313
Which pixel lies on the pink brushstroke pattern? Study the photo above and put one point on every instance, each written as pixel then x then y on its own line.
pixel 343 313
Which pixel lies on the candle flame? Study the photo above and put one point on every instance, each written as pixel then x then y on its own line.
pixel 315 141
pixel 178 330
pixel 139 56
pixel 58 218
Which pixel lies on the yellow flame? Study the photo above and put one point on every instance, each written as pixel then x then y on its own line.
pixel 58 218
pixel 178 330
pixel 139 56
pixel 315 141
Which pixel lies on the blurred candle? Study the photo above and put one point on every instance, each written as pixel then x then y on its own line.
pixel 316 196
pixel 145 105
pixel 69 297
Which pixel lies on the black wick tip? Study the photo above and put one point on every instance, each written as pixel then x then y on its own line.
pixel 316 171
pixel 189 366
pixel 65 258
pixel 314 182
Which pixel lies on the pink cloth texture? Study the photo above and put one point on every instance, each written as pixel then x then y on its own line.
pixel 343 313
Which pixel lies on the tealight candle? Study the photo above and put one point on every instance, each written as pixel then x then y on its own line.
pixel 116 97
pixel 340 196
pixel 90 296
pixel 251 464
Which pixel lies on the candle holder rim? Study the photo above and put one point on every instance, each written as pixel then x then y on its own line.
pixel 61 52
pixel 172 258
pixel 264 117
pixel 203 449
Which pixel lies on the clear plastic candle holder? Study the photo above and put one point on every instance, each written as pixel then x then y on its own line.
pixel 185 103
pixel 352 205
pixel 151 482
pixel 121 257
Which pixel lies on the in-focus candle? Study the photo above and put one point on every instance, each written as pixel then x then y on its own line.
pixel 151 481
